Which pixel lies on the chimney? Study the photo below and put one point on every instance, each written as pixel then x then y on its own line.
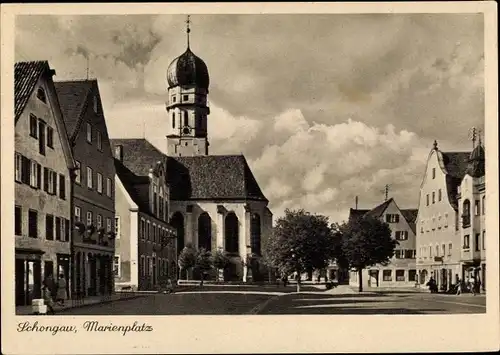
pixel 119 152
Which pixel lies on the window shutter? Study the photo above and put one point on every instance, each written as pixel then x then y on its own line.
pixel 45 179
pixel 25 170
pixel 38 176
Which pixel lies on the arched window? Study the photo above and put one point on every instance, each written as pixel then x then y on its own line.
pixel 255 231
pixel 231 227
pixel 173 119
pixel 40 94
pixel 177 221
pixel 466 214
pixel 186 118
pixel 205 231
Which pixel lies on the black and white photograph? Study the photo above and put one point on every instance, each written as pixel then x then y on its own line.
pixel 250 164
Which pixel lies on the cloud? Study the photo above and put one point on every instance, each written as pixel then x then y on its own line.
pixel 325 107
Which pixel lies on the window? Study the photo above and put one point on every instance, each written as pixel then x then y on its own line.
pixel 476 208
pixel 108 187
pixel 143 228
pixel 440 195
pixel 433 173
pixel 446 220
pixel 78 172
pixel 78 214
pixel 478 235
pixel 154 232
pixel 401 235
pixel 466 242
pixel 148 230
pixel 437 250
pixel 33 126
pixel 90 218
pixel 483 202
pixel 433 197
pixel 50 137
pixel 186 118
pixel 108 225
pixel 185 98
pixel 18 166
pixel 99 141
pixel 40 94
pixel 49 181
pixel 430 251
pixel 49 227
pixel 160 205
pixel 387 275
pixel 400 275
pixel 456 220
pixel 450 247
pixel 392 218
pixel 35 176
pixel 427 199
pixel 116 265
pixel 117 227
pixel 173 119
pixel 143 266
pixel 62 186
pixel 18 221
pixel 484 235
pixel 33 223
pixel 174 98
pixel 412 275
pixel 399 253
pixel 99 183
pixel 99 221
pixel 58 228
pixel 89 133
pixel 25 170
pixel 41 137
pixel 65 233
pixel 90 183
pixel 466 214
pixel 155 202
pixel 443 251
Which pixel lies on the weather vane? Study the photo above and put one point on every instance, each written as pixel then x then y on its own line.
pixel 188 30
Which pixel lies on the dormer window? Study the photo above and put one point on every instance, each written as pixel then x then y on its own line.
pixel 40 94
pixel 185 98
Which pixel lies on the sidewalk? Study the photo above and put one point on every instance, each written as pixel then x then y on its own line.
pixel 88 301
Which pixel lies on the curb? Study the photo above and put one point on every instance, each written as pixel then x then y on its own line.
pixel 97 303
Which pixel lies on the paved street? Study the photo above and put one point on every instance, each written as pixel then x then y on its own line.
pixel 228 301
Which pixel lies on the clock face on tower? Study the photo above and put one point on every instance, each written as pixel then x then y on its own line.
pixel 186 130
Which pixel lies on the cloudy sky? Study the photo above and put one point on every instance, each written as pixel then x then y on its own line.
pixel 324 107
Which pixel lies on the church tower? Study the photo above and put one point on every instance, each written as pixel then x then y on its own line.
pixel 187 106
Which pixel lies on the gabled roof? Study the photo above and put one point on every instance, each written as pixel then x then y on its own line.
pixel 26 75
pixel 379 210
pixel 131 181
pixel 72 98
pixel 212 177
pixel 139 155
pixel 355 213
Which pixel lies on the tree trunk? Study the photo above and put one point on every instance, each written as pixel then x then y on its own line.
pixel 360 278
pixel 298 282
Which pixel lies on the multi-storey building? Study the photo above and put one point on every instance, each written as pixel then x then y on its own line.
pixel 43 162
pixel 471 207
pixel 439 248
pixel 93 187
pixel 145 255
pixel 401 271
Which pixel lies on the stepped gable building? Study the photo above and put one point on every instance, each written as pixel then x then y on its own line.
pixel 43 164
pixel 439 241
pixel 93 187
pixel 145 255
pixel 401 271
pixel 215 201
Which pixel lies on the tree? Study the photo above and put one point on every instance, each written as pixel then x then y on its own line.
pixel 203 262
pixel 300 241
pixel 187 259
pixel 221 262
pixel 364 242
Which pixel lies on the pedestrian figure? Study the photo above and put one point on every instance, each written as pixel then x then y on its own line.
pixel 472 285
pixel 459 286
pixel 170 286
pixel 50 284
pixel 432 285
pixel 47 298
pixel 62 294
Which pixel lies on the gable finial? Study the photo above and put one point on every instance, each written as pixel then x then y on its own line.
pixel 435 145
pixel 188 30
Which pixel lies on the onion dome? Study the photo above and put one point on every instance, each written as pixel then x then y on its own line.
pixel 188 70
pixel 476 166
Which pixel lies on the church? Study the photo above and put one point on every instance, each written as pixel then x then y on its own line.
pixel 214 201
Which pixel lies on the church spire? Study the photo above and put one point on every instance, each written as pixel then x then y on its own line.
pixel 188 30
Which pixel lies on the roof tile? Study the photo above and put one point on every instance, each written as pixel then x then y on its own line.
pixel 26 75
